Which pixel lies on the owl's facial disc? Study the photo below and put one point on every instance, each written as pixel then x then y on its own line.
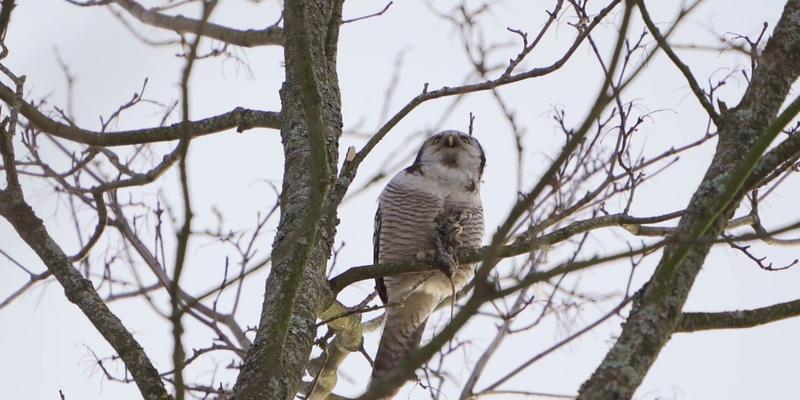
pixel 455 150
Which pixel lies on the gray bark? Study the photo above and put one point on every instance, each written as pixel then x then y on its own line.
pixel 296 289
pixel 80 291
pixel 657 309
pixel 297 293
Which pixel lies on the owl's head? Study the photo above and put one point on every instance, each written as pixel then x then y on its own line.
pixel 453 149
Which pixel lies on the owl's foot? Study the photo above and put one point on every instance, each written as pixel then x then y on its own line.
pixel 450 225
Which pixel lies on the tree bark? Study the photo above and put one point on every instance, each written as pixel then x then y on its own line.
pixel 311 124
pixel 657 308
pixel 80 291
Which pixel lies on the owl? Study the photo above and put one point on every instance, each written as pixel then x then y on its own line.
pixel 429 211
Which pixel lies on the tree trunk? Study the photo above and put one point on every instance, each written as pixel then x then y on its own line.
pixel 657 309
pixel 310 128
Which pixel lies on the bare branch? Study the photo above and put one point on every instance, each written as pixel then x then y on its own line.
pixel 5 17
pixel 240 118
pixel 377 14
pixel 102 221
pixel 270 36
pixel 521 245
pixel 349 168
pixel 662 42
pixel 747 129
pixel 182 236
pixel 699 321
pixel 80 291
pixel 614 311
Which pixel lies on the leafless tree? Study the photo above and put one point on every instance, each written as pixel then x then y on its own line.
pixel 304 333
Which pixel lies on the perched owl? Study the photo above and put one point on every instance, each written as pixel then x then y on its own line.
pixel 427 212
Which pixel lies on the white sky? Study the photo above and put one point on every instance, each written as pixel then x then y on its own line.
pixel 44 339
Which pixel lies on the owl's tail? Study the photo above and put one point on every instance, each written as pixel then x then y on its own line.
pixel 402 333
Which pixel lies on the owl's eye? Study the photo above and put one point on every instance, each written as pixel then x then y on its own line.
pixel 466 139
pixel 436 141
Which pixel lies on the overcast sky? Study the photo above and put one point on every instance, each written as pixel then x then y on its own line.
pixel 44 340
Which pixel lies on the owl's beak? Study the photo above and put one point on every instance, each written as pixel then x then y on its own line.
pixel 450 141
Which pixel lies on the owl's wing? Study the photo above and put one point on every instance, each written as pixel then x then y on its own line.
pixel 380 286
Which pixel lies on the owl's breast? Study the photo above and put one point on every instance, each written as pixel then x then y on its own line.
pixel 408 211
pixel 407 222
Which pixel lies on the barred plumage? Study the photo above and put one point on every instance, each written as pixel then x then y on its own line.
pixel 444 179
